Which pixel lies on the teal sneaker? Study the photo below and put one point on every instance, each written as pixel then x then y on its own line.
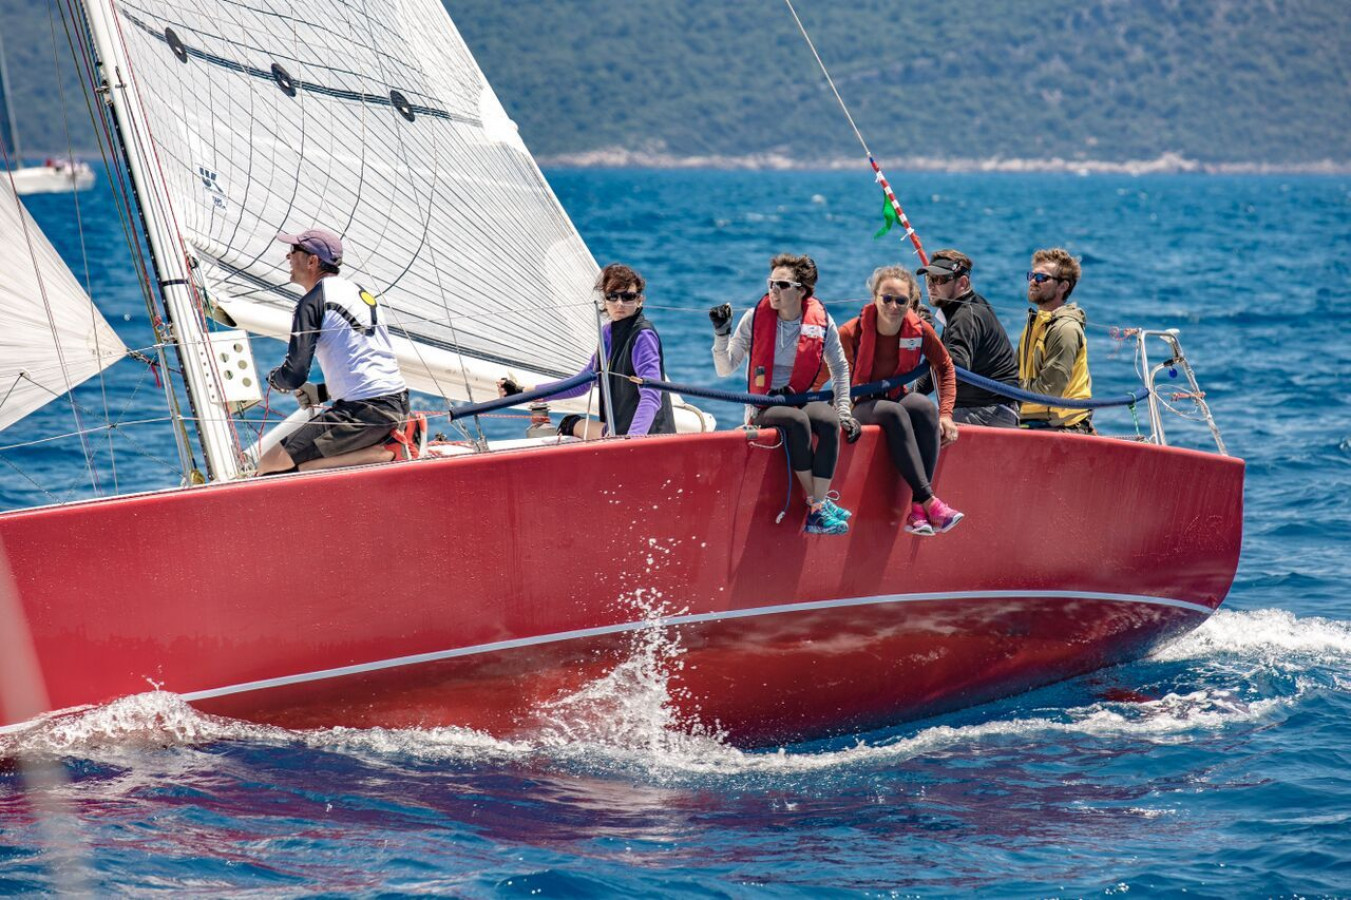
pixel 820 522
pixel 833 509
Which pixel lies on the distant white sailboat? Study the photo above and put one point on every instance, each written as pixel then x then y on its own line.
pixel 54 176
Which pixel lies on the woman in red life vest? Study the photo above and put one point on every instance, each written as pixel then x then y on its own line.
pixel 786 340
pixel 888 338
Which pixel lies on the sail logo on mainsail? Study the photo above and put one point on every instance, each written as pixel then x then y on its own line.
pixel 212 187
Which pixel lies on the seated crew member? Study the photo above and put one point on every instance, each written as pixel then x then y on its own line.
pixel 886 339
pixel 974 339
pixel 340 324
pixel 1053 350
pixel 785 340
pixel 632 347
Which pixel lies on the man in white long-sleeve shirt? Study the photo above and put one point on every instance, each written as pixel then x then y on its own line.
pixel 341 325
pixel 785 340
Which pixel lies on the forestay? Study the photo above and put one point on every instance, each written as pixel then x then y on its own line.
pixel 373 120
pixel 53 339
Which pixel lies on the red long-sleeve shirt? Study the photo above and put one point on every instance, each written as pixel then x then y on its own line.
pixel 887 353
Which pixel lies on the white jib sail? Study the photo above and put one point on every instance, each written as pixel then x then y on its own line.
pixel 371 119
pixel 53 339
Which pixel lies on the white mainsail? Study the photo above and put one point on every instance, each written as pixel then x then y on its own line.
pixel 53 339
pixel 375 121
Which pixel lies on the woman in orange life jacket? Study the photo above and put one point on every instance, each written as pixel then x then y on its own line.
pixel 785 340
pixel 889 338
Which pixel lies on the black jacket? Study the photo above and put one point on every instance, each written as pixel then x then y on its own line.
pixel 624 394
pixel 978 343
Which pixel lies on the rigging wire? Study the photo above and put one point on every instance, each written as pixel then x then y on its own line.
pixel 872 161
pixel 81 44
pixel 145 144
pixel 51 325
pixel 84 250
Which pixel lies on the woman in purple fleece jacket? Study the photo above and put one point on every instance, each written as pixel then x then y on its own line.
pixel 633 348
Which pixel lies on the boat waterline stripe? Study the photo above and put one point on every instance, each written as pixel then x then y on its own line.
pixel 691 619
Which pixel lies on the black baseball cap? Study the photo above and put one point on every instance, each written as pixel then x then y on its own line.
pixel 942 267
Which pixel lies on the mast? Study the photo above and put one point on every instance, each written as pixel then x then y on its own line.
pixel 167 251
pixel 13 132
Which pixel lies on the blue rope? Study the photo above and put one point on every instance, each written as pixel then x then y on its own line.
pixel 1014 393
pixel 881 387
pixel 474 409
pixel 862 390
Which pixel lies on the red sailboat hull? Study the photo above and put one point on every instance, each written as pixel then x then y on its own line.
pixel 480 590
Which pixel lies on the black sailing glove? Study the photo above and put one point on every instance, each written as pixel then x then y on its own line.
pixel 851 428
pixel 721 317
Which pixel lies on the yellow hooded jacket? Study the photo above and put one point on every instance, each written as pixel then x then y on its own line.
pixel 1053 359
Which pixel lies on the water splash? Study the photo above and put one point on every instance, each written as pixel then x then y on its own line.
pixel 155 719
pixel 633 706
pixel 1273 637
pixel 627 721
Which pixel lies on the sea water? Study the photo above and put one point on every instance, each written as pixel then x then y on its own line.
pixel 1218 766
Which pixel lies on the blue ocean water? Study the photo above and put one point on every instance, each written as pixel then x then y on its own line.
pixel 1226 773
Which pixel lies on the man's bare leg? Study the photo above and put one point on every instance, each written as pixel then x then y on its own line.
pixel 363 457
pixel 275 460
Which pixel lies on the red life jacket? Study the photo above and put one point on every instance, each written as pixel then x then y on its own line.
pixel 811 347
pixel 910 347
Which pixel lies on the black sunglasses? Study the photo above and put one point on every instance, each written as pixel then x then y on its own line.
pixel 623 296
pixel 898 299
pixel 1041 277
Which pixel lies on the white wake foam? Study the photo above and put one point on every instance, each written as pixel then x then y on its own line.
pixel 626 720
pixel 1274 637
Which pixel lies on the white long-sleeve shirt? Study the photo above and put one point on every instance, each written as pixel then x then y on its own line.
pixel 731 350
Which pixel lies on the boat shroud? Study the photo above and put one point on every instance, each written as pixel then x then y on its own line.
pixel 480 590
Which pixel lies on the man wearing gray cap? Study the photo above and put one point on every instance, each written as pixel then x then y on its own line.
pixel 974 339
pixel 343 326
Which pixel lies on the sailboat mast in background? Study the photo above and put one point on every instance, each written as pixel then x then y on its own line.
pixel 53 176
pixel 9 138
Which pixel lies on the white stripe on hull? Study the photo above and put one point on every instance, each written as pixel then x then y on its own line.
pixel 695 618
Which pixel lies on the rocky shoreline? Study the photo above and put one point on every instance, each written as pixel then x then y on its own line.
pixel 1164 164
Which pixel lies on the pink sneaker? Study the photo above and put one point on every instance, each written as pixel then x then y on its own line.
pixel 942 517
pixel 917 523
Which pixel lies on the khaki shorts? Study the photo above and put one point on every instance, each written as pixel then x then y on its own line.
pixel 347 426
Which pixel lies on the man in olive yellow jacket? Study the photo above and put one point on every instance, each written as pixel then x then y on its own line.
pixel 1053 351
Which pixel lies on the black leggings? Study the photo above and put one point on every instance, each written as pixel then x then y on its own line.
pixel 911 427
pixel 796 424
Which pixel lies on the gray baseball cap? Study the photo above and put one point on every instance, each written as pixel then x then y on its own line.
pixel 320 241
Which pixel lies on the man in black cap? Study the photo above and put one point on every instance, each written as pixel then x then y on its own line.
pixel 342 325
pixel 974 339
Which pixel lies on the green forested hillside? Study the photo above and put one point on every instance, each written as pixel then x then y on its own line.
pixel 1213 80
